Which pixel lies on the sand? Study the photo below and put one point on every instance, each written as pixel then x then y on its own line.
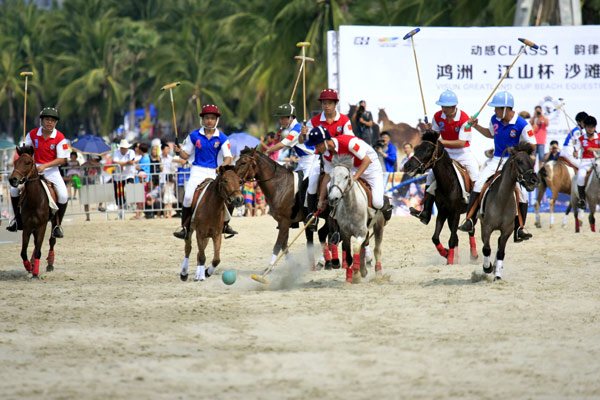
pixel 114 320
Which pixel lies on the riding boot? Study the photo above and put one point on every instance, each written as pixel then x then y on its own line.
pixel 186 219
pixel 57 232
pixel 469 224
pixel 311 201
pixel 227 230
pixel 387 208
pixel 17 222
pixel 520 233
pixel 426 209
pixel 581 202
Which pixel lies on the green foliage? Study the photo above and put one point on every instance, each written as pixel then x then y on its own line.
pixel 98 59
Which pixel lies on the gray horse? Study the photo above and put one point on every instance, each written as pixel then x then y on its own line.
pixel 350 209
pixel 592 197
pixel 500 204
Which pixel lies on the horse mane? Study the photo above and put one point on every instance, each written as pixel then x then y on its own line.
pixel 430 136
pixel 25 150
pixel 521 147
pixel 344 159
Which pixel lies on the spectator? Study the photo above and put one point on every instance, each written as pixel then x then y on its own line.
pixel 260 202
pixel 248 193
pixel 408 153
pixel 72 171
pixel 540 128
pixel 166 160
pixel 92 171
pixel 155 160
pixel 143 174
pixel 386 152
pixel 168 192
pixel 270 141
pixel 364 121
pixel 552 155
pixel 153 198
pixel 124 157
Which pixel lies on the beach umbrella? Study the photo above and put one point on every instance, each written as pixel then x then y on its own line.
pixel 90 144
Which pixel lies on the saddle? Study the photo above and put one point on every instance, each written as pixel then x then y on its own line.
pixel 568 163
pixel 198 192
pixel 483 197
pixel 465 176
pixel 588 174
pixel 368 192
pixel 50 192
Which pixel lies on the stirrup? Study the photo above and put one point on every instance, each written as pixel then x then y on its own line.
pixel 13 226
pixel 228 232
pixel 57 232
pixel 182 233
pixel 423 217
pixel 314 223
pixel 520 235
pixel 467 226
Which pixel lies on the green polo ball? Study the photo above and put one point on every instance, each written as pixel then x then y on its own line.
pixel 229 277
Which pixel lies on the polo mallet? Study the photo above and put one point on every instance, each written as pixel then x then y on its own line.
pixel 170 86
pixel 561 107
pixel 527 43
pixel 410 35
pixel 26 75
pixel 303 45
pixel 261 278
pixel 299 71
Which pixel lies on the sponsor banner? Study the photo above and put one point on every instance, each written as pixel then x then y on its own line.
pixel 377 65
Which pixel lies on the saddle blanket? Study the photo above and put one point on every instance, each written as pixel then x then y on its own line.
pixel 51 203
pixel 465 194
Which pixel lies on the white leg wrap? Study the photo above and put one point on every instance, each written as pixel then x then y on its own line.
pixel 368 251
pixel 498 268
pixel 486 261
pixel 538 218
pixel 199 273
pixel 184 266
pixel 551 218
pixel 211 269
pixel 564 220
pixel 273 258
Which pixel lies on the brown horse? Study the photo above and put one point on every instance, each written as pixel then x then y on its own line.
pixel 35 210
pixel 399 133
pixel 209 219
pixel 556 176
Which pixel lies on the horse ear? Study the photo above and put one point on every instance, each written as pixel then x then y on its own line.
pixel 511 151
pixel 19 150
pixel 29 150
pixel 220 170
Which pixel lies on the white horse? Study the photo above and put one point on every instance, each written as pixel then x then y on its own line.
pixel 350 209
pixel 592 197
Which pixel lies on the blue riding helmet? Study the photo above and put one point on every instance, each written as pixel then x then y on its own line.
pixel 447 98
pixel 317 135
pixel 502 99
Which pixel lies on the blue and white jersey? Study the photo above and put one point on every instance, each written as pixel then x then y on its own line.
pixel 516 131
pixel 575 133
pixel 291 140
pixel 205 150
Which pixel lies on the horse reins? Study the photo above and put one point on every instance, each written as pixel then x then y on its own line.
pixel 350 182
pixel 28 177
pixel 433 160
pixel 255 167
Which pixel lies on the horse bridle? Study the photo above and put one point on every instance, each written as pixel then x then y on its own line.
pixel 521 176
pixel 27 177
pixel 432 161
pixel 254 167
pixel 350 181
pixel 221 190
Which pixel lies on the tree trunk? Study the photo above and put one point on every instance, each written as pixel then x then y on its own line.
pixel 11 116
pixel 131 106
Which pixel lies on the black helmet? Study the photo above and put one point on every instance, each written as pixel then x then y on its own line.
pixel 581 116
pixel 589 121
pixel 49 112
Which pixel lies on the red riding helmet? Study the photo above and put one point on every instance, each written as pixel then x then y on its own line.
pixel 329 94
pixel 210 109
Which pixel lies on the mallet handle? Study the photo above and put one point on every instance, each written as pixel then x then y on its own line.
pixel 419 77
pixel 304 84
pixel 297 80
pixel 25 108
pixel 173 110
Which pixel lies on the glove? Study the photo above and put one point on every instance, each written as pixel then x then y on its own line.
pixel 322 205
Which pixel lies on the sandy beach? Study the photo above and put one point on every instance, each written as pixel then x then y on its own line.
pixel 115 321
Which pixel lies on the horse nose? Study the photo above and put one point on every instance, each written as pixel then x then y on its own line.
pixel 14 182
pixel 238 201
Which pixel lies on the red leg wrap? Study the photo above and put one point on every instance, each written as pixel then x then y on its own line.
pixel 50 258
pixel 473 244
pixel 593 227
pixel 326 253
pixel 314 267
pixel 443 252
pixel 349 275
pixel 576 225
pixel 36 266
pixel 344 263
pixel 27 265
pixel 450 256
pixel 378 266
pixel 334 251
pixel 356 262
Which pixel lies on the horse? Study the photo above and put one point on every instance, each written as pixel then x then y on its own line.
pixel 399 133
pixel 448 193
pixel 35 210
pixel 209 219
pixel 592 197
pixel 350 208
pixel 498 210
pixel 556 176
pixel 277 184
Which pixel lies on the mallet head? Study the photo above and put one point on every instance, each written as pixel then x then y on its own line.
pixel 411 33
pixel 302 44
pixel 170 85
pixel 27 73
pixel 529 43
pixel 304 58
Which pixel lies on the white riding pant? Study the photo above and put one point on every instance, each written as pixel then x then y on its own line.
pixel 584 167
pixel 197 176
pixel 568 154
pixel 52 175
pixel 489 170
pixel 310 167
pixel 373 176
pixel 468 161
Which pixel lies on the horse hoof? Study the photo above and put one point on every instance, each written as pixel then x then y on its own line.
pixel 538 225
pixel 488 270
pixel 335 263
pixel 50 268
pixel 35 276
pixel 183 277
pixel 328 265
pixel 497 278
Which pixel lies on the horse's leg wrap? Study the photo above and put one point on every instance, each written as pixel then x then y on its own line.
pixel 349 275
pixel 36 267
pixel 378 269
pixel 473 245
pixel 593 227
pixel 440 248
pixel 450 256
pixel 199 273
pixel 334 251
pixel 356 262
pixel 498 270
pixel 27 266
pixel 577 224
pixel 326 252
pixel 50 257
pixel 184 269
pixel 344 262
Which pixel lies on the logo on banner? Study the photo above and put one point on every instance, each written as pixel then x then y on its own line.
pixel 361 40
pixel 388 41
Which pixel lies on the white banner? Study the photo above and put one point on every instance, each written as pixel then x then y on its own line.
pixel 377 65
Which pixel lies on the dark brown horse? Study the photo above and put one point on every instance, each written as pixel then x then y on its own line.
pixel 448 194
pixel 35 210
pixel 500 204
pixel 209 219
pixel 277 183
